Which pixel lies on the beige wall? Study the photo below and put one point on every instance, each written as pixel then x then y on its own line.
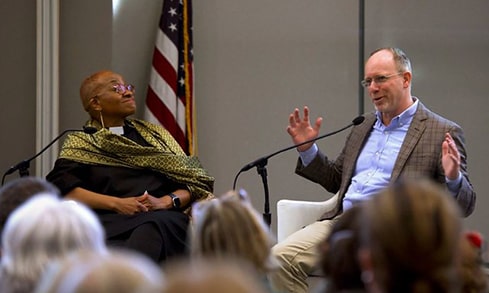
pixel 85 47
pixel 17 81
pixel 257 60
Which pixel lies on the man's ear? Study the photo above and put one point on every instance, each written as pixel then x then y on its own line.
pixel 407 76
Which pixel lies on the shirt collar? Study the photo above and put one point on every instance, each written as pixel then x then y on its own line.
pixel 404 118
pixel 121 130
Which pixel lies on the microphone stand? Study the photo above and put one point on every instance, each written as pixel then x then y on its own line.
pixel 261 169
pixel 24 165
pixel 261 166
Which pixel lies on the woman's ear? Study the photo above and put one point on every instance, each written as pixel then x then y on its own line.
pixel 94 104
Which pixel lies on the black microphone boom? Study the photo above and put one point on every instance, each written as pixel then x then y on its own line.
pixel 23 166
pixel 263 160
pixel 261 163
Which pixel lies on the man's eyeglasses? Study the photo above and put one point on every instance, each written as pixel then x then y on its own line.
pixel 122 88
pixel 378 79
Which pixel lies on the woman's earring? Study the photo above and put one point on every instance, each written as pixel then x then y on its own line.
pixel 102 119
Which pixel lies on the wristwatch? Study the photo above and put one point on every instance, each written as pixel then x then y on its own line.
pixel 176 200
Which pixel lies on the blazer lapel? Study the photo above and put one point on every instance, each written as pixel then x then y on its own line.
pixel 413 136
pixel 355 142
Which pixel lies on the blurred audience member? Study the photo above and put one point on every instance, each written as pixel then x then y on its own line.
pixel 17 191
pixel 477 241
pixel 41 230
pixel 410 239
pixel 212 276
pixel 339 252
pixel 229 227
pixel 474 278
pixel 87 271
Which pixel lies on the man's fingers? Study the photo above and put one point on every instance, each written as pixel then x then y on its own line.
pixel 318 123
pixel 292 119
pixel 306 113
pixel 444 148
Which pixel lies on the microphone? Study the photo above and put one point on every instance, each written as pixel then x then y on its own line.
pixel 23 166
pixel 259 161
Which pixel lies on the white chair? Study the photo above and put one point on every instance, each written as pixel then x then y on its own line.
pixel 293 215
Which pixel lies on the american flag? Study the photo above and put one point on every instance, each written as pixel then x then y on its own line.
pixel 169 101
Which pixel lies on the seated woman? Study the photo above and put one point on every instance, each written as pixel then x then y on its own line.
pixel 132 173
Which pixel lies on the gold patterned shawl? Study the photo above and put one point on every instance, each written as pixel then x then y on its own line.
pixel 164 155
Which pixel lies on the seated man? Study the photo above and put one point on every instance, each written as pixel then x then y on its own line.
pixel 402 139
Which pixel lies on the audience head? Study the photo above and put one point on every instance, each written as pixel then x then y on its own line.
pixel 410 239
pixel 41 230
pixel 229 227
pixel 17 191
pixel 86 271
pixel 339 252
pixel 211 276
pixel 471 268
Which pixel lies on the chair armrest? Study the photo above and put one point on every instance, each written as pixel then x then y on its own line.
pixel 293 215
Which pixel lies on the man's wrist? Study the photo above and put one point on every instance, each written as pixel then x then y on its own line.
pixel 308 155
pixel 454 185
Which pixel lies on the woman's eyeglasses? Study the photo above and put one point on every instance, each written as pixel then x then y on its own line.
pixel 122 88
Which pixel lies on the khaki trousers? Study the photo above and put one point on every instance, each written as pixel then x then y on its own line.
pixel 298 255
